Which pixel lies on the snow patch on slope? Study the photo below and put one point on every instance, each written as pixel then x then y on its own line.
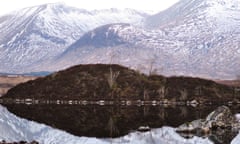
pixel 36 34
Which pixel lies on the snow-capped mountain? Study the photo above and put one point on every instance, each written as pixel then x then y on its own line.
pixel 13 128
pixel 36 34
pixel 193 37
pixel 113 43
pixel 209 31
pixel 198 17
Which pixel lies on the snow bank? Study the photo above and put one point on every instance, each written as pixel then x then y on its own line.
pixel 13 128
pixel 165 135
pixel 236 140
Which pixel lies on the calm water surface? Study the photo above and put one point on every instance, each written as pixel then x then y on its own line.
pixel 115 121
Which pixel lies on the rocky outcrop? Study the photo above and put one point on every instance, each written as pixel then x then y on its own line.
pixel 221 118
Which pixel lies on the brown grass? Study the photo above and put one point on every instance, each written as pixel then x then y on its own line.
pixel 7 82
pixel 229 82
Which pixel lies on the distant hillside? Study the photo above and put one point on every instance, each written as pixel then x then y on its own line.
pixel 9 81
pixel 115 82
pixel 32 36
pixel 198 38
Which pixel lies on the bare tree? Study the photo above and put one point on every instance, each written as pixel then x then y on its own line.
pixel 145 95
pixel 114 56
pixel 111 78
pixel 183 112
pixel 162 92
pixel 112 126
pixel 184 95
pixel 153 67
pixel 162 114
pixel 152 61
pixel 198 91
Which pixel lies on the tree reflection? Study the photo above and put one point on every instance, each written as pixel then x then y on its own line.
pixel 108 120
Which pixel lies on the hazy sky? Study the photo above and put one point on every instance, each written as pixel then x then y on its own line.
pixel 152 5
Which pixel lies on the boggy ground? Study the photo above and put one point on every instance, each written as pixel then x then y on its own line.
pixel 7 82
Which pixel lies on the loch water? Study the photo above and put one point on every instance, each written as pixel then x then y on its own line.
pixel 104 121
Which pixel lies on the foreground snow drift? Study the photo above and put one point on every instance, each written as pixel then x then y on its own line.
pixel 13 128
pixel 236 140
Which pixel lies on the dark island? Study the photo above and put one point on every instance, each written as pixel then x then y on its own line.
pixel 101 82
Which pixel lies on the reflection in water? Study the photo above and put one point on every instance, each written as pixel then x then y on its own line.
pixel 110 120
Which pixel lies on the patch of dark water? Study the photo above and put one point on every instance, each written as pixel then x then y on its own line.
pixel 115 120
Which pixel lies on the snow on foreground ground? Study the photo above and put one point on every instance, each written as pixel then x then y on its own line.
pixel 13 128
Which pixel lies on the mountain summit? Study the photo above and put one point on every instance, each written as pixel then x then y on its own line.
pixel 197 12
pixel 193 37
pixel 36 34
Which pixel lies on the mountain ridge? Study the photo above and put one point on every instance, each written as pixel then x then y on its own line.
pixel 193 38
pixel 203 44
pixel 38 34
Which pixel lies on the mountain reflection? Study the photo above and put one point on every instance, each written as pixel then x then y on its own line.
pixel 107 121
